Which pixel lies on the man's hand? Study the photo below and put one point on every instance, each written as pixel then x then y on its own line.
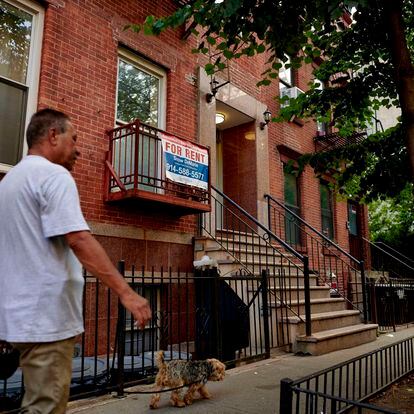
pixel 138 306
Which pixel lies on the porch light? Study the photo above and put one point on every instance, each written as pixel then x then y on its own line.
pixel 267 116
pixel 250 135
pixel 220 118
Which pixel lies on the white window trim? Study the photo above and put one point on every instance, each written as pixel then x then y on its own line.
pixel 152 69
pixel 33 68
pixel 283 82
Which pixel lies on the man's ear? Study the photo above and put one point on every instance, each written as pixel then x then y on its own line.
pixel 52 136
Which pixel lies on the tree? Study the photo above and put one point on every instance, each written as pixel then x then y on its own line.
pixel 392 221
pixel 373 55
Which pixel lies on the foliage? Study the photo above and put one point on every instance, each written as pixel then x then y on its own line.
pixel 392 219
pixel 359 53
pixel 15 32
pixel 359 169
pixel 137 95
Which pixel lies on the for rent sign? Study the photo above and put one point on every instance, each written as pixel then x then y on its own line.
pixel 186 163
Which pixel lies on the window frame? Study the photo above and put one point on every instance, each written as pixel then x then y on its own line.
pixel 322 128
pixel 292 75
pixel 150 68
pixel 33 68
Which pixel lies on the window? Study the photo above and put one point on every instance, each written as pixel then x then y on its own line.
pixel 141 91
pixel 321 127
pixel 292 225
pixel 285 75
pixel 147 339
pixel 141 95
pixel 21 27
pixel 327 210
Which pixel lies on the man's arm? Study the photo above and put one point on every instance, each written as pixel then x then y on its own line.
pixel 95 260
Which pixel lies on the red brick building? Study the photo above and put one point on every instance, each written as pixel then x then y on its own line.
pixel 71 59
pixel 77 57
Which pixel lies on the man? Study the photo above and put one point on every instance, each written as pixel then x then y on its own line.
pixel 42 229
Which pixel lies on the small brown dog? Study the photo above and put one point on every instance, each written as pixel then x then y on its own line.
pixel 177 373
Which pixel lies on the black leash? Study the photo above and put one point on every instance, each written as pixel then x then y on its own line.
pixel 203 379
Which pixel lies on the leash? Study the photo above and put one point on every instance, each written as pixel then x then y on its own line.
pixel 203 379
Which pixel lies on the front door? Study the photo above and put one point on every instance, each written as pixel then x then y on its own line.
pixel 354 230
pixel 292 225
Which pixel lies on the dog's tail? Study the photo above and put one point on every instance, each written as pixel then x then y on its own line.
pixel 159 359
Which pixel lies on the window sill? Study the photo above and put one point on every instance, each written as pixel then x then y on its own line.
pixel 297 121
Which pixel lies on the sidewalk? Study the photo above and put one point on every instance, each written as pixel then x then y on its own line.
pixel 252 388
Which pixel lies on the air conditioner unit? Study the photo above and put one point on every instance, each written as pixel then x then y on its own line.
pixel 291 93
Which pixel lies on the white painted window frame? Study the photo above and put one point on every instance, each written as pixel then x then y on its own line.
pixel 33 69
pixel 152 69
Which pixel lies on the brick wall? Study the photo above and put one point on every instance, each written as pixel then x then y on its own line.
pixel 78 76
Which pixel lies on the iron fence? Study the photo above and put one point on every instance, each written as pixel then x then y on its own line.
pixel 195 316
pixel 391 302
pixel 347 385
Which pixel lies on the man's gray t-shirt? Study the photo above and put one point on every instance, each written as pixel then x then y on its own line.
pixel 41 280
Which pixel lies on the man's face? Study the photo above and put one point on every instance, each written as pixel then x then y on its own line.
pixel 67 152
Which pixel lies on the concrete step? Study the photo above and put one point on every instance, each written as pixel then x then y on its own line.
pixel 256 242
pixel 334 339
pixel 219 253
pixel 298 292
pixel 317 305
pixel 231 266
pixel 323 321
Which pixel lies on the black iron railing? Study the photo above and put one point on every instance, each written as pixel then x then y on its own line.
pixel 331 264
pixel 196 315
pixel 253 248
pixel 136 166
pixel 385 263
pixel 391 302
pixel 396 253
pixel 332 141
pixel 347 385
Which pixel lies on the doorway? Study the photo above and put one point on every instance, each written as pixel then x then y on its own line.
pixel 354 230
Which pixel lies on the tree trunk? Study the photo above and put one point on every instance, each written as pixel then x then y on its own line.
pixel 404 71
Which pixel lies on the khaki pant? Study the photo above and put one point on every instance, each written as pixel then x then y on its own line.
pixel 47 372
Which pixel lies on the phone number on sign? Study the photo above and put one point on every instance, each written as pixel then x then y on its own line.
pixel 185 171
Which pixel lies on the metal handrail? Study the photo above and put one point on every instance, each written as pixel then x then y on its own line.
pixel 270 235
pixel 395 251
pixel 306 224
pixel 388 254
pixel 255 221
pixel 355 265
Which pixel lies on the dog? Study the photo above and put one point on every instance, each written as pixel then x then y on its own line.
pixel 178 373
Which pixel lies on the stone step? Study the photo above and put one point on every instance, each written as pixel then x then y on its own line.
pixel 257 243
pixel 317 305
pixel 220 253
pixel 334 339
pixel 229 267
pixel 322 321
pixel 298 292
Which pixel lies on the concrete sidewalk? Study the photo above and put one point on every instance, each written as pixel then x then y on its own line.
pixel 252 388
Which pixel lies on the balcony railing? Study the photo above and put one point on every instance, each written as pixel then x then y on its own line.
pixel 136 169
pixel 332 141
